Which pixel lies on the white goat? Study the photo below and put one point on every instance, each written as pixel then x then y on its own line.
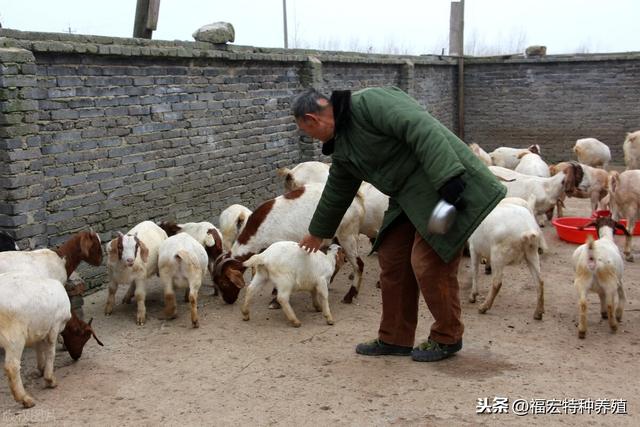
pixel 182 262
pixel 598 267
pixel 481 154
pixel 33 311
pixel 57 263
pixel 507 157
pixel 532 164
pixel 506 236
pixel 132 260
pixel 624 189
pixel 287 217
pixel 232 221
pixel 547 191
pixel 289 268
pixel 592 152
pixel 631 149
pixel 304 173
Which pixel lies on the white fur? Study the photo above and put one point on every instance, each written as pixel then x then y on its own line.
pixel 289 268
pixel 232 221
pixel 182 262
pixel 481 154
pixel 592 152
pixel 33 311
pixel 624 189
pixel 506 236
pixel 508 157
pixel 631 149
pixel 532 164
pixel 289 219
pixel 130 269
pixel 598 267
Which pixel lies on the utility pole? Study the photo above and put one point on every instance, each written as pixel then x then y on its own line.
pixel 456 48
pixel 284 16
pixel 146 20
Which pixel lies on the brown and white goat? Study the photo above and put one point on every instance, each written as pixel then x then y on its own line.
pixel 56 263
pixel 132 260
pixel 593 186
pixel 287 217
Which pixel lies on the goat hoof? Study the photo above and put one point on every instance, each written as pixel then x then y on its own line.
pixel 537 316
pixel 482 310
pixel 296 324
pixel 628 257
pixel 329 322
pixel 378 284
pixel 582 334
pixel 195 324
pixel 245 317
pixel 52 383
pixel 472 299
pixel 28 402
pixel 604 315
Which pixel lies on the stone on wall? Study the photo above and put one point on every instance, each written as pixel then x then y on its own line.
pixel 218 32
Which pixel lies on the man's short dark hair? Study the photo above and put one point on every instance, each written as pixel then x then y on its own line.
pixel 307 102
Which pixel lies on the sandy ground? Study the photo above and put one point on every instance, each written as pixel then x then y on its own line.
pixel 264 372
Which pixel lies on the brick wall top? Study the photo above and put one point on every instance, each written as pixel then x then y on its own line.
pixel 101 45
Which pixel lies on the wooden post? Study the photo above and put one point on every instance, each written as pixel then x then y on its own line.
pixel 146 21
pixel 456 48
pixel 284 16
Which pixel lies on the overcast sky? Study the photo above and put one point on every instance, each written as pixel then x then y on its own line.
pixel 399 26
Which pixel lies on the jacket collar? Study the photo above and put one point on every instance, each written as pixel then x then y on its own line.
pixel 341 102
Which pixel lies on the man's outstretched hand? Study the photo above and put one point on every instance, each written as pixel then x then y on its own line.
pixel 310 243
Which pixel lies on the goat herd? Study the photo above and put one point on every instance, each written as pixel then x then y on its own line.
pixel 35 309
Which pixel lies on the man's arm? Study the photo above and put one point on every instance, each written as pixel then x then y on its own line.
pixel 338 194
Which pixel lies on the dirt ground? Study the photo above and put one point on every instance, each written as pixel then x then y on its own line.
pixel 264 372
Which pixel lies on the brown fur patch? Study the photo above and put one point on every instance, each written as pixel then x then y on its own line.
pixel 82 246
pixel 170 227
pixel 76 333
pixel 254 221
pixel 294 194
pixel 144 251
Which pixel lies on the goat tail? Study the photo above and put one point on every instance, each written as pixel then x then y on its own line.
pixel 591 256
pixel 254 261
pixel 182 257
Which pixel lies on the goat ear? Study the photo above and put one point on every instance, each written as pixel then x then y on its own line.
pixel 236 277
pixel 144 251
pixel 521 155
pixel 85 244
pixel 112 250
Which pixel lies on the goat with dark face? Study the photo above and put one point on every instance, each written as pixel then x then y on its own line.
pixel 76 333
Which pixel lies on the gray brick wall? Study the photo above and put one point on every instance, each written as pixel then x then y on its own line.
pixel 107 132
pixel 552 102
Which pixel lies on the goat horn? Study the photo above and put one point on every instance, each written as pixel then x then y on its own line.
pixel 589 224
pixel 96 338
pixel 623 228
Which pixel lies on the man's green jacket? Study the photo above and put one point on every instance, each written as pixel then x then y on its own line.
pixel 389 140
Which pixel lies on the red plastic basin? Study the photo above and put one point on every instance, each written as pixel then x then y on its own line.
pixel 567 229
